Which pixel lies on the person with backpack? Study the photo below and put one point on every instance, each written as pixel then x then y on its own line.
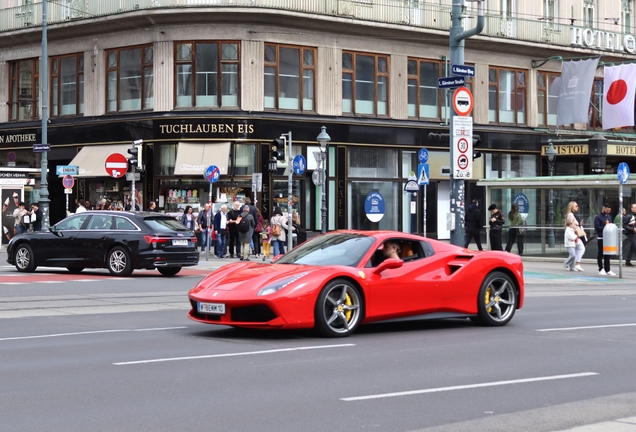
pixel 278 223
pixel 245 225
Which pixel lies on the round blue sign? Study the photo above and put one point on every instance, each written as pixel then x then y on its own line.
pixel 212 174
pixel 68 181
pixel 522 202
pixel 623 173
pixel 423 155
pixel 299 165
pixel 374 206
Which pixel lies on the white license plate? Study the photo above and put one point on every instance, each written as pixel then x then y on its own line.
pixel 213 308
pixel 179 242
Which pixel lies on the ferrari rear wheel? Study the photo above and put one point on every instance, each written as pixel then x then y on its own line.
pixel 497 300
pixel 339 309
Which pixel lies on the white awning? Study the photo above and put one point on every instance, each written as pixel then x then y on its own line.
pixel 194 158
pixel 91 159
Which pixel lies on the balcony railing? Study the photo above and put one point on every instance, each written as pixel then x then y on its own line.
pixel 399 12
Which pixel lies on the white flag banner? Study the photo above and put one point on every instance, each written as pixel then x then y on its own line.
pixel 575 88
pixel 618 96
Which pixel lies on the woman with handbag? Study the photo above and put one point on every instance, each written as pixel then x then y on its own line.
pixel 572 218
pixel 515 231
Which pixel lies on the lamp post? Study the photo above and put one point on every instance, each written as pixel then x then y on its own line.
pixel 44 164
pixel 323 138
pixel 551 154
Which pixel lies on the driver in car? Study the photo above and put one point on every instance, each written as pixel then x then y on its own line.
pixel 391 249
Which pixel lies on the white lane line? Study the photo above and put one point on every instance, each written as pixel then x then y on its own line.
pixel 586 327
pixel 50 282
pixel 89 332
pixel 469 386
pixel 232 354
pixel 14 283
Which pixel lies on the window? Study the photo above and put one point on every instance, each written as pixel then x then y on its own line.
pixel 547 98
pixel 72 223
pixel 365 84
pixel 425 100
pixel 24 92
pixel 129 78
pixel 507 96
pixel 67 85
pixel 198 66
pixel 588 13
pixel 551 9
pixel 627 16
pixel 595 116
pixel 290 77
pixel 99 222
pixel 245 159
pixel 124 224
pixel 373 162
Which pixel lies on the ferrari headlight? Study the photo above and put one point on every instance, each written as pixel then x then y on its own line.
pixel 271 289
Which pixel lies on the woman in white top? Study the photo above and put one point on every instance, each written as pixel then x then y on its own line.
pixel 571 218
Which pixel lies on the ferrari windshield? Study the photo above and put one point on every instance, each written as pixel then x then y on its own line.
pixel 331 249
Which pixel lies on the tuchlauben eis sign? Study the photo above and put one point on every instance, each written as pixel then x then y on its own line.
pixel 204 128
pixel 599 39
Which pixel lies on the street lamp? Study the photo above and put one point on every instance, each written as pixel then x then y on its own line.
pixel 551 154
pixel 323 138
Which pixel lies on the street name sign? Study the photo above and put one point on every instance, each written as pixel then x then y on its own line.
pixel 450 82
pixel 463 70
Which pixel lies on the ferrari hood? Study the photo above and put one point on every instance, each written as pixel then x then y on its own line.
pixel 249 276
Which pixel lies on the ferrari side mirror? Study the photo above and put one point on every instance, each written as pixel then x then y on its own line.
pixel 388 264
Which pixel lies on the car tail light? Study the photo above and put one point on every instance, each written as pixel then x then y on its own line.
pixel 193 239
pixel 154 240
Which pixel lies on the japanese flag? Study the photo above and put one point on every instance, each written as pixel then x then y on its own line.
pixel 618 96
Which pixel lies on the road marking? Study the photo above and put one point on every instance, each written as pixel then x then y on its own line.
pixel 586 327
pixel 90 332
pixel 469 386
pixel 232 354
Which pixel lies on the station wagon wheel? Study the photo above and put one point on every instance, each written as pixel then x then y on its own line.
pixel 24 259
pixel 169 271
pixel 339 309
pixel 118 262
pixel 497 300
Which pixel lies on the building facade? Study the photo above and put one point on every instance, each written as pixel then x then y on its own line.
pixel 214 82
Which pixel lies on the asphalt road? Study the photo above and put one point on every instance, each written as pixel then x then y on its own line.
pixel 90 352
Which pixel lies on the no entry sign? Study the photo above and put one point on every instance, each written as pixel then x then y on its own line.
pixel 116 165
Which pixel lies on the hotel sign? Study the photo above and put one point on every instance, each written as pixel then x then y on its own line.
pixel 592 38
pixel 621 150
pixel 204 128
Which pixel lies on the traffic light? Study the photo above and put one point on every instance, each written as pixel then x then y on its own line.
pixel 476 143
pixel 135 152
pixel 278 149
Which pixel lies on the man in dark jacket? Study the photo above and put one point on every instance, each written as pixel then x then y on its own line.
pixel 234 242
pixel 472 221
pixel 496 222
pixel 202 219
pixel 629 225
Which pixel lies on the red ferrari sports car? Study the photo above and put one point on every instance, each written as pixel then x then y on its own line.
pixel 337 281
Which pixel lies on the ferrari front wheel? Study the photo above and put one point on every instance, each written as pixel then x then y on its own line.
pixel 338 309
pixel 497 300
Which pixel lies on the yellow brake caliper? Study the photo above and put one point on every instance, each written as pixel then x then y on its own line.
pixel 488 294
pixel 348 302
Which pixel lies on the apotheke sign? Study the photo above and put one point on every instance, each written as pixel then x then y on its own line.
pixel 592 38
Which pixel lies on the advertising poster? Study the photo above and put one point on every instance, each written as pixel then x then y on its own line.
pixel 10 198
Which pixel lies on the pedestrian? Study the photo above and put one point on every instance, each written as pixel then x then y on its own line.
pixel 570 241
pixel 35 216
pixel 295 228
pixel 600 221
pixel 572 217
pixel 220 229
pixel 232 216
pixel 618 219
pixel 18 215
pixel 88 205
pixel 245 225
pixel 152 206
pixel 473 224
pixel 278 224
pixel 80 207
pixel 256 237
pixel 204 217
pixel 514 233
pixel 188 220
pixel 266 236
pixel 248 202
pixel 629 226
pixel 496 221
